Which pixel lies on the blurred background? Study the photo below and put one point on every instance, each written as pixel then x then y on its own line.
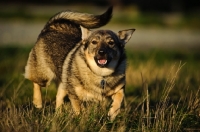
pixel 167 32
pixel 163 54
pixel 158 23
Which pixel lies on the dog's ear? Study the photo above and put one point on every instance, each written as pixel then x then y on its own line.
pixel 85 33
pixel 125 35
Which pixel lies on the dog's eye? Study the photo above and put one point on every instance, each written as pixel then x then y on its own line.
pixel 94 42
pixel 110 42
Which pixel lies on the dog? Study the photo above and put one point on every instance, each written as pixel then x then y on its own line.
pixel 87 65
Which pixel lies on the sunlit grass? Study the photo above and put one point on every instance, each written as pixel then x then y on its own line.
pixel 162 94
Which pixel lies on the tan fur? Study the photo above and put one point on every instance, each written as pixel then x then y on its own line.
pixel 88 66
pixel 40 68
pixel 60 95
pixel 37 96
pixel 81 76
pixel 60 34
pixel 96 69
pixel 116 104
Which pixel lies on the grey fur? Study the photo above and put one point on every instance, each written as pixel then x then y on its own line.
pixel 82 77
pixel 61 33
pixel 88 66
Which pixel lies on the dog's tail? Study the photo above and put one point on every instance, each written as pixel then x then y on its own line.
pixel 89 21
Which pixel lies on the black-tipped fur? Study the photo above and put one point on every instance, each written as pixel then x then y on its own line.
pixel 86 20
pixel 87 66
pixel 59 36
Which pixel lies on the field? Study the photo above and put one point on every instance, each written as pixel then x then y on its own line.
pixel 162 94
pixel 163 74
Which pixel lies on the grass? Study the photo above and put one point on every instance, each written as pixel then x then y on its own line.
pixel 162 94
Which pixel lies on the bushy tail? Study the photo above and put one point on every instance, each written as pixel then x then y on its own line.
pixel 86 20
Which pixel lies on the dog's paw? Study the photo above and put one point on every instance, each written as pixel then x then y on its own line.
pixel 37 105
pixel 112 114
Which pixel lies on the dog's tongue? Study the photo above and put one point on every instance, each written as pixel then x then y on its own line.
pixel 102 61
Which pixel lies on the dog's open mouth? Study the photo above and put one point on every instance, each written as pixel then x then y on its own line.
pixel 102 61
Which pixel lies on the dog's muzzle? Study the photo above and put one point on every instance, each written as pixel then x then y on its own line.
pixel 102 59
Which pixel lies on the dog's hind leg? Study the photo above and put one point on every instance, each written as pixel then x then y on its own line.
pixel 37 96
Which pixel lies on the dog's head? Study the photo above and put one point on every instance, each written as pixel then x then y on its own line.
pixel 103 49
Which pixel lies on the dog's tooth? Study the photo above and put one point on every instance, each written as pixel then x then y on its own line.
pixel 102 61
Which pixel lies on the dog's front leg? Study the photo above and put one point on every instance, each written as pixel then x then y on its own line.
pixel 61 93
pixel 76 104
pixel 37 96
pixel 116 104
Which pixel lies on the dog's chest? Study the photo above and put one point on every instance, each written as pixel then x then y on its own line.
pixel 90 86
pixel 93 90
pixel 96 89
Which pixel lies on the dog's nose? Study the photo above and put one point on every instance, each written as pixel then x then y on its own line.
pixel 102 52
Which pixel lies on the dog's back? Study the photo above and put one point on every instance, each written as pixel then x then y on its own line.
pixel 59 36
